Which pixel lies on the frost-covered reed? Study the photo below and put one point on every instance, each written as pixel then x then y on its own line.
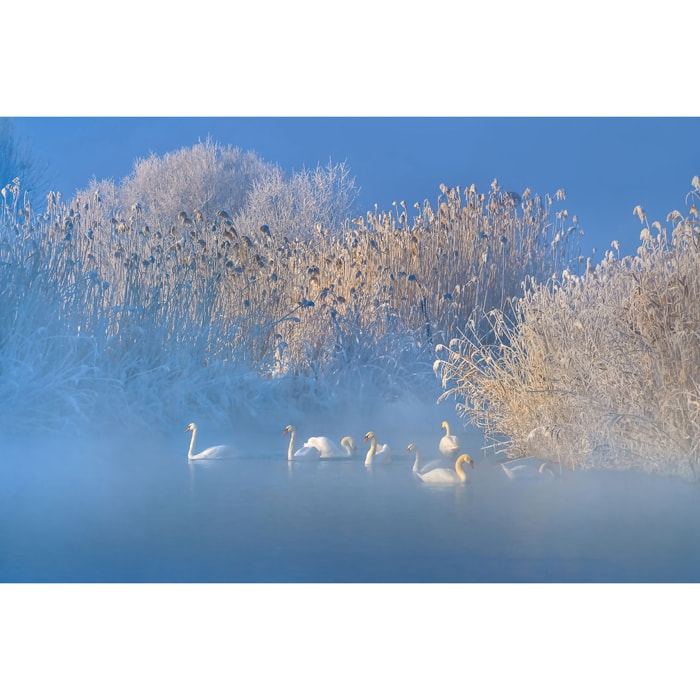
pixel 599 369
pixel 207 283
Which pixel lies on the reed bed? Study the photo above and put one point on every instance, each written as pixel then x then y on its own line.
pixel 124 304
pixel 595 370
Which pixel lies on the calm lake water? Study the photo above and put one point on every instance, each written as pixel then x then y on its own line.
pixel 121 511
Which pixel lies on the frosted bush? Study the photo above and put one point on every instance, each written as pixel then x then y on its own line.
pixel 117 308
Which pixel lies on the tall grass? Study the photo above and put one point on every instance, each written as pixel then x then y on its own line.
pixel 125 304
pixel 599 369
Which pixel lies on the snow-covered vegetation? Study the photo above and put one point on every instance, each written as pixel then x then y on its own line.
pixel 209 283
pixel 600 369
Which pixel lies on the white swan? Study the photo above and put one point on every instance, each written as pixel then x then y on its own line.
pixel 329 450
pixel 379 454
pixel 218 452
pixel 303 453
pixel 449 444
pixel 433 464
pixel 527 471
pixel 442 475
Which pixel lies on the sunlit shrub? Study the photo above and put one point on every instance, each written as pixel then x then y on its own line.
pixel 601 369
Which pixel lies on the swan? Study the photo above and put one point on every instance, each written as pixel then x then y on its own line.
pixel 303 453
pixel 416 462
pixel 449 444
pixel 376 453
pixel 442 475
pixel 218 452
pixel 329 450
pixel 527 471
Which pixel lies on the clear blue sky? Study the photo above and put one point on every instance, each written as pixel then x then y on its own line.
pixel 606 165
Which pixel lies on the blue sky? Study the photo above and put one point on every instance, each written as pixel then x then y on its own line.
pixel 607 166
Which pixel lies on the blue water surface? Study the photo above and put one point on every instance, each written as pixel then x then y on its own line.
pixel 121 511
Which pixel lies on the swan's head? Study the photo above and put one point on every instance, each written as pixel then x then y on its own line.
pixel 410 448
pixel 288 429
pixel 369 436
pixel 445 425
pixel 465 459
pixel 191 426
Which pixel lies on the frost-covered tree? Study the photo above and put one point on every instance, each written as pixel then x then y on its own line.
pixel 298 205
pixel 206 177
pixel 17 160
pixel 205 181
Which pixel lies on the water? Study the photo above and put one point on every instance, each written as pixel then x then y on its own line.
pixel 117 510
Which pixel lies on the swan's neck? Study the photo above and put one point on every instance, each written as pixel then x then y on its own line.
pixel 369 459
pixel 447 430
pixel 416 461
pixel 458 468
pixel 290 451
pixel 190 454
pixel 372 447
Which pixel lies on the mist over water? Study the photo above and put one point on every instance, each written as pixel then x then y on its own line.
pixel 127 507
